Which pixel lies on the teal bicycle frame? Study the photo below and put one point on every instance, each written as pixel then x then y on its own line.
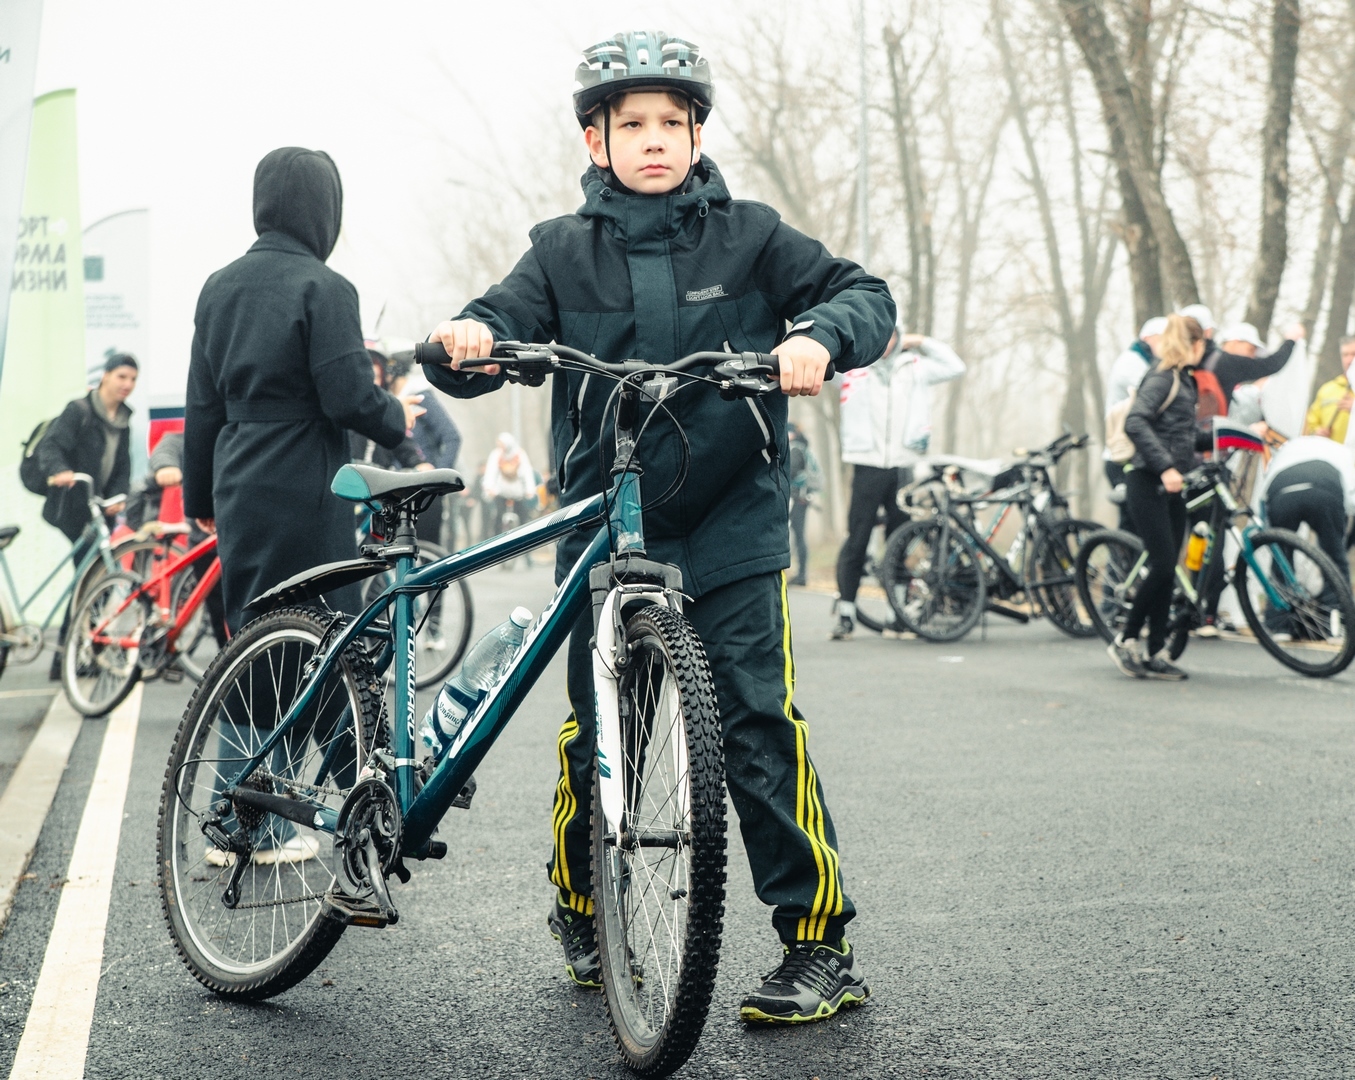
pixel 620 528
pixel 97 534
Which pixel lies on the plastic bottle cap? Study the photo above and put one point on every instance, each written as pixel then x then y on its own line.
pixel 521 617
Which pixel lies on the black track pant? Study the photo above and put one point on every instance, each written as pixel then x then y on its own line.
pixel 792 847
pixel 1310 493
pixel 1160 521
pixel 872 488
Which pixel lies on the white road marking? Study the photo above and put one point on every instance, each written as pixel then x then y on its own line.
pixel 28 795
pixel 32 692
pixel 56 1036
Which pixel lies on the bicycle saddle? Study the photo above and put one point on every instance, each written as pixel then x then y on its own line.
pixel 8 533
pixel 365 483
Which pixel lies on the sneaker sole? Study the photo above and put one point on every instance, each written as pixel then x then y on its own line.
pixel 586 984
pixel 1165 678
pixel 845 1000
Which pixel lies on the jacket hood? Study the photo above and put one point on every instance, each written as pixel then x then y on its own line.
pixel 646 217
pixel 298 192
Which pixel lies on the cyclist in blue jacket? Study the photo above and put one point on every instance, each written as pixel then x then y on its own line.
pixel 660 261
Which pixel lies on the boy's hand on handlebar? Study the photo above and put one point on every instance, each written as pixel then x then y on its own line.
pixel 65 478
pixel 466 339
pixel 207 525
pixel 1173 481
pixel 803 361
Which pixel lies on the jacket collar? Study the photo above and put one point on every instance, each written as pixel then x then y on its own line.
pixel 280 241
pixel 1141 347
pixel 638 218
pixel 121 420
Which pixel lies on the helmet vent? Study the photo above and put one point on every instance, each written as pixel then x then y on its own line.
pixel 643 54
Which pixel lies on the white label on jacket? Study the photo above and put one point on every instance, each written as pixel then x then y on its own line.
pixel 708 293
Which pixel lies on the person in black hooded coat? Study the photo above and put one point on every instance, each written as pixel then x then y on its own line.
pixel 278 372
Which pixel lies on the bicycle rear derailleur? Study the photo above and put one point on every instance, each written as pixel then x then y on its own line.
pixel 366 852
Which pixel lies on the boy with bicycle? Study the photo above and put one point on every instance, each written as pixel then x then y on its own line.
pixel 657 263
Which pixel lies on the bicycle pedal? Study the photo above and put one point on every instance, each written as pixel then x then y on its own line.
pixel 172 675
pixel 465 795
pixel 353 911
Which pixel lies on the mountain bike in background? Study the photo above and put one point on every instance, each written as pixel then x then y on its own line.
pixel 1296 602
pixel 940 572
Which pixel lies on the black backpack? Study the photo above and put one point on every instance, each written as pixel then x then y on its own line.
pixel 30 471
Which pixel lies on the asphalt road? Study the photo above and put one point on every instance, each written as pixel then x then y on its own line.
pixel 1059 872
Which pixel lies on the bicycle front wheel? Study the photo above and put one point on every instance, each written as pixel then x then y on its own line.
pixel 254 934
pixel 99 665
pixel 1054 579
pixel 443 631
pixel 1297 603
pixel 1108 572
pixel 938 594
pixel 659 880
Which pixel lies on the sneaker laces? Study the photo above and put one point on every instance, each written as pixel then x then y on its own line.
pixel 580 936
pixel 802 968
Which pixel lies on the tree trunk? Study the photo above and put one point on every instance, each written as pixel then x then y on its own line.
pixel 1133 150
pixel 1338 315
pixel 918 312
pixel 1273 249
pixel 1333 168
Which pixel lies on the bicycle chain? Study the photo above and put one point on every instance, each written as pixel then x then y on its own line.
pixel 274 903
pixel 297 785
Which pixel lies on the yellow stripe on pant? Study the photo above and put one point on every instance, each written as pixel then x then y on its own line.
pixel 566 803
pixel 809 814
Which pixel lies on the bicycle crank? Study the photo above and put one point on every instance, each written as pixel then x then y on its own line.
pixel 366 852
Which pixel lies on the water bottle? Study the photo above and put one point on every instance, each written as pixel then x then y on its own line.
pixel 484 664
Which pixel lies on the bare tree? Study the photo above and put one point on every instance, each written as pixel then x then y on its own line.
pixel 1131 140
pixel 921 277
pixel 1273 249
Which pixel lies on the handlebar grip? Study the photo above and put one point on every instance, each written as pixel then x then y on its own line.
pixel 430 352
pixel 773 361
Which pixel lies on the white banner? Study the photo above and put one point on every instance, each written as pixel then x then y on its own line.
pixel 20 21
pixel 117 304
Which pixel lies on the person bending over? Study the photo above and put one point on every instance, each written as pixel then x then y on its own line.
pixel 659 262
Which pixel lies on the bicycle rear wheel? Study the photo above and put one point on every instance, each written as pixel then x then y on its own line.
pixel 872 608
pixel 274 934
pixel 444 634
pixel 197 642
pixel 1312 628
pixel 1107 572
pixel 1054 579
pixel 939 595
pixel 99 665
pixel 659 886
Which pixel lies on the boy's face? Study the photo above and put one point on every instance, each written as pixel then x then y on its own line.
pixel 651 151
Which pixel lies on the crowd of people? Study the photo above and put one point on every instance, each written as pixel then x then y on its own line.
pixel 283 389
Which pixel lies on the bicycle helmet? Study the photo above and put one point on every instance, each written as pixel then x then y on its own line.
pixel 642 59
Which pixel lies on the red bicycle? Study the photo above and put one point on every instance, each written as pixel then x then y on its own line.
pixel 133 626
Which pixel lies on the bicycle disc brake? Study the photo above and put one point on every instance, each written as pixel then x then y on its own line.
pixel 366 851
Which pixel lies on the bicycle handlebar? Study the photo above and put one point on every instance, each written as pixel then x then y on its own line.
pixel 736 369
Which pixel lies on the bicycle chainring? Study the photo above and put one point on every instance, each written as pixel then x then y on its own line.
pixel 370 814
pixel 27 645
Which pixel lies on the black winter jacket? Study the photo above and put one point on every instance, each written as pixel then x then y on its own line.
pixel 655 278
pixel 278 371
pixel 1163 438
pixel 76 440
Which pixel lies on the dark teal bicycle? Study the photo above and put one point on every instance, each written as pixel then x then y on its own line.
pixel 291 796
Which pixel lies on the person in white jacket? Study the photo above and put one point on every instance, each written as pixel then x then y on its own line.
pixel 1311 481
pixel 1122 380
pixel 886 423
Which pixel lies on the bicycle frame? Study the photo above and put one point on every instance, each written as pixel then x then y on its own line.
pixel 618 514
pixel 156 584
pixel 98 534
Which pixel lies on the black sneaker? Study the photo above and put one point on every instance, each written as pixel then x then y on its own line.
pixel 1126 656
pixel 579 937
pixel 812 983
pixel 1159 667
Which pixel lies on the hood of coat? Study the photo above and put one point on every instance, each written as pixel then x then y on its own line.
pixel 298 192
pixel 652 217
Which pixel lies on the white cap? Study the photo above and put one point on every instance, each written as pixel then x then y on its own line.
pixel 1156 325
pixel 521 617
pixel 1243 331
pixel 1200 314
